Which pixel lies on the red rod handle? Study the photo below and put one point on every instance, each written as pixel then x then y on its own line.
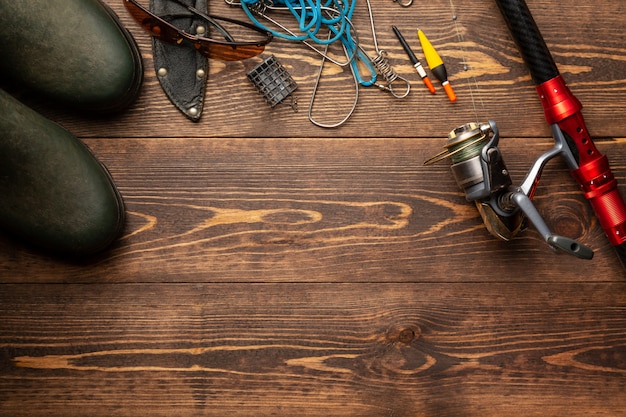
pixel 562 108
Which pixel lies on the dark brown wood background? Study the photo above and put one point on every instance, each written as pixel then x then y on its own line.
pixel 271 267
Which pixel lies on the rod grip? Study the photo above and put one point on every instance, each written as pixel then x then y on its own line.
pixel 600 189
pixel 529 40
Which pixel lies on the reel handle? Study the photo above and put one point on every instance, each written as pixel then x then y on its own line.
pixel 556 242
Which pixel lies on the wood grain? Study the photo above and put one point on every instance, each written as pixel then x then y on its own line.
pixel 319 210
pixel 273 268
pixel 314 349
pixel 587 43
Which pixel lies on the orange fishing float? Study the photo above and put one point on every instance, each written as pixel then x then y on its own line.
pixel 435 63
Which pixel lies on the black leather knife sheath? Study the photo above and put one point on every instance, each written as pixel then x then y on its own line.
pixel 180 69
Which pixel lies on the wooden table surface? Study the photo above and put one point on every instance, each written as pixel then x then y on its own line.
pixel 273 267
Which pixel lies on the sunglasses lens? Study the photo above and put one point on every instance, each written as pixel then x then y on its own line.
pixel 234 40
pixel 157 27
pixel 227 52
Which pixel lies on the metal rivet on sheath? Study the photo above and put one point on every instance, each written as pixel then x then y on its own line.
pixel 200 30
pixel 200 73
pixel 162 72
pixel 193 111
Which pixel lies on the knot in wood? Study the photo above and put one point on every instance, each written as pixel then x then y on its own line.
pixel 404 334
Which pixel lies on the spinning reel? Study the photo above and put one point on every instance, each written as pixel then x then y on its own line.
pixel 479 170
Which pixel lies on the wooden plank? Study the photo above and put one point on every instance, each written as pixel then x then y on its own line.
pixel 312 210
pixel 587 42
pixel 270 267
pixel 302 349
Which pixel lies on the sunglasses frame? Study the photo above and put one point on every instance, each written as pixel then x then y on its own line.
pixel 202 44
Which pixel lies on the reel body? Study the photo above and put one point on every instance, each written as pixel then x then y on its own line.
pixel 480 171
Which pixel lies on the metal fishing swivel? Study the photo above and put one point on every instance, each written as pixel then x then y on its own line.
pixel 479 170
pixel 384 68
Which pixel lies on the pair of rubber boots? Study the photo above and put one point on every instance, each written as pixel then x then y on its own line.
pixel 54 193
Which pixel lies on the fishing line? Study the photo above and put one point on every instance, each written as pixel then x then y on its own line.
pixel 470 79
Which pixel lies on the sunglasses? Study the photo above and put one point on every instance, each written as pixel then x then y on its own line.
pixel 226 50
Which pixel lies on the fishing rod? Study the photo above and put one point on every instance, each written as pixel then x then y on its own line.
pixel 563 113
pixel 479 170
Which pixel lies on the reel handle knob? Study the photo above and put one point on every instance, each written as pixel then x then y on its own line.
pixel 570 246
pixel 556 242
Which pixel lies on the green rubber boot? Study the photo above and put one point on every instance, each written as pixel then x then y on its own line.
pixel 75 52
pixel 55 193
